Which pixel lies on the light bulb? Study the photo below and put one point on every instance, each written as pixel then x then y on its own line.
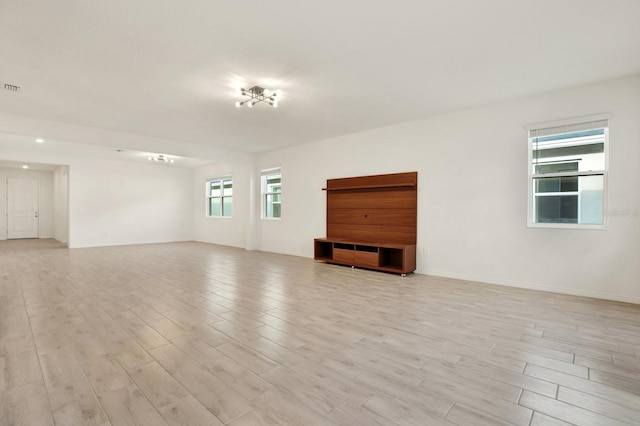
pixel 171 161
pixel 275 104
pixel 24 166
pixel 266 92
pixel 238 90
pixel 150 158
pixel 278 93
pixel 40 140
pixel 238 104
pixel 250 104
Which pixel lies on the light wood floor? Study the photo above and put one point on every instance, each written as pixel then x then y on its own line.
pixel 189 333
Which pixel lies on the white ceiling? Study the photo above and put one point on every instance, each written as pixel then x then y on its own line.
pixel 10 141
pixel 32 166
pixel 167 69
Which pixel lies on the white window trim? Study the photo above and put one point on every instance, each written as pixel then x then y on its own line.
pixel 568 121
pixel 207 181
pixel 263 173
pixel 604 173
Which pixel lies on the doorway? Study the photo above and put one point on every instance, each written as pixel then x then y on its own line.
pixel 22 208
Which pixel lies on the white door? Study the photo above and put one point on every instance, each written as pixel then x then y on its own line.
pixel 22 208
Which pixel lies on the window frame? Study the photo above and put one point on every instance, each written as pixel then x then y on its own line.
pixel 557 175
pixel 533 176
pixel 263 192
pixel 208 196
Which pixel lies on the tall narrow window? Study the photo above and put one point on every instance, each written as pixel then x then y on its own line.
pixel 567 174
pixel 220 197
pixel 271 194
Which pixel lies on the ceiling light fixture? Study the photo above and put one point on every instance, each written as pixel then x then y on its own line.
pixel 161 158
pixel 25 166
pixel 258 94
pixel 40 140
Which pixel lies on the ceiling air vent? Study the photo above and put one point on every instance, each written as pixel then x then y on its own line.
pixel 11 87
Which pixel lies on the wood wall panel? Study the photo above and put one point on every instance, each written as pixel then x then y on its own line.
pixel 395 179
pixel 403 198
pixel 372 216
pixel 379 234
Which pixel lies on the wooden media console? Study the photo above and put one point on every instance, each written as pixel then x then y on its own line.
pixel 371 222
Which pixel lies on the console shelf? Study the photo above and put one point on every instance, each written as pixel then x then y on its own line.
pixel 393 185
pixel 371 223
pixel 396 258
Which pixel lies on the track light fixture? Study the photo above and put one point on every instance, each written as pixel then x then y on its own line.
pixel 161 158
pixel 258 94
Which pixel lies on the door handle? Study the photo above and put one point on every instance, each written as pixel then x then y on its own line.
pixel 35 214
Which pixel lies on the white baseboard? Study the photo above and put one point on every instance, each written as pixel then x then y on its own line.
pixel 540 287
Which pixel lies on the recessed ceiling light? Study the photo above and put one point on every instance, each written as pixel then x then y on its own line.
pixel 25 166
pixel 40 140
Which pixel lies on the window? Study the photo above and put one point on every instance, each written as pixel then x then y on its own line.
pixel 219 197
pixel 271 193
pixel 567 174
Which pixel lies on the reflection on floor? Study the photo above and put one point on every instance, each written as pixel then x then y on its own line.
pixel 190 332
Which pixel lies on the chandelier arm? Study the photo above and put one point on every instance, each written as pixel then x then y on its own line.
pixel 256 94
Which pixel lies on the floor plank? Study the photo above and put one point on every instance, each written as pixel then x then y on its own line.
pixel 26 405
pixel 193 333
pixel 599 405
pixel 564 411
pixel 225 403
pixel 128 406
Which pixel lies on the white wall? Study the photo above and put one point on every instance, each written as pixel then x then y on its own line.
pixel 472 193
pixel 237 231
pixel 61 204
pixel 118 202
pixel 45 199
pixel 115 203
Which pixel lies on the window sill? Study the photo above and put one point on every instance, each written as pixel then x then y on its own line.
pixel 567 226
